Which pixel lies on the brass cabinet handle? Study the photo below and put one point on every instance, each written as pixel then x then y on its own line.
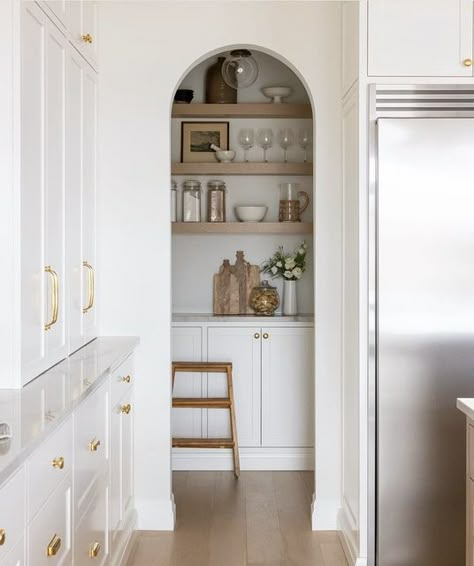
pixel 126 379
pixel 94 445
pixel 53 546
pixel 94 550
pixel 54 297
pixel 58 463
pixel 265 336
pixel 86 38
pixel 90 286
pixel 256 335
pixel 467 62
pixel 126 408
pixel 3 537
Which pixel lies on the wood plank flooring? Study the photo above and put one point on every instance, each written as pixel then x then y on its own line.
pixel 261 519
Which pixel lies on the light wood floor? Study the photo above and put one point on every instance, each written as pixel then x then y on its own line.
pixel 261 519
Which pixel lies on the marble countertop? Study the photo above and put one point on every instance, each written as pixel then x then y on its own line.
pixel 248 319
pixel 466 406
pixel 34 412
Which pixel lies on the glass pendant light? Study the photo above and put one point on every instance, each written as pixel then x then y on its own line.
pixel 240 70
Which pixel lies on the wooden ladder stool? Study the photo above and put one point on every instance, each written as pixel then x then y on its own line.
pixel 208 403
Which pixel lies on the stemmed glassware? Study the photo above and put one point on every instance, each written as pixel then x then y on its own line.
pixel 246 140
pixel 265 140
pixel 305 139
pixel 286 138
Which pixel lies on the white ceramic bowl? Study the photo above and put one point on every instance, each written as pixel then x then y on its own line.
pixel 250 213
pixel 225 155
pixel 277 93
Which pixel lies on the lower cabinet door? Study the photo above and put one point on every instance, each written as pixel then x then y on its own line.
pixel 50 530
pixel 91 532
pixel 287 387
pixel 127 456
pixel 186 346
pixel 241 346
pixel 16 557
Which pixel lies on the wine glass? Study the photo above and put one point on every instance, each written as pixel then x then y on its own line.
pixel 286 138
pixel 265 140
pixel 246 140
pixel 305 139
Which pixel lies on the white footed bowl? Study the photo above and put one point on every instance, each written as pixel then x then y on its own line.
pixel 225 155
pixel 250 213
pixel 277 93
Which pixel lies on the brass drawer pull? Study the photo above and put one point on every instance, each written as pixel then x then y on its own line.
pixel 53 546
pixel 94 550
pixel 94 445
pixel 266 336
pixel 126 408
pixel 3 537
pixel 58 463
pixel 90 287
pixel 126 379
pixel 467 62
pixel 54 297
pixel 256 335
pixel 86 38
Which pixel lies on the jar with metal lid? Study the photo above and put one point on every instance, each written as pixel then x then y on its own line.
pixel 264 299
pixel 216 196
pixel 192 201
pixel 174 200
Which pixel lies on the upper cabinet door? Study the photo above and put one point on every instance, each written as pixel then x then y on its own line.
pixel 83 28
pixel 420 38
pixel 59 9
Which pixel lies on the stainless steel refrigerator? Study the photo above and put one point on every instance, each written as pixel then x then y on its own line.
pixel 422 340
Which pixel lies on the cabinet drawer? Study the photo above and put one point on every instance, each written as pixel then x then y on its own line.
pixel 121 380
pixel 50 531
pixel 16 556
pixel 12 513
pixel 90 442
pixel 48 467
pixel 90 539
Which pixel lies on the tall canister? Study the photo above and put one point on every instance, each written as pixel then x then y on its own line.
pixel 216 197
pixel 192 201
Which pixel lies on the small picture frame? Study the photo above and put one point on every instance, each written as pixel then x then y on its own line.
pixel 196 138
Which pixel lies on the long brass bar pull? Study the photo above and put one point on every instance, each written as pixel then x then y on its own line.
pixel 90 286
pixel 54 297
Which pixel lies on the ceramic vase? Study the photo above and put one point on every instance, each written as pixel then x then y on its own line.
pixel 290 305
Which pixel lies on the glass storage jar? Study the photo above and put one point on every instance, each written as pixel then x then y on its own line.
pixel 216 195
pixel 174 200
pixel 192 201
pixel 264 299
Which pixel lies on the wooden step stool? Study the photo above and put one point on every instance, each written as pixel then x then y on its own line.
pixel 209 403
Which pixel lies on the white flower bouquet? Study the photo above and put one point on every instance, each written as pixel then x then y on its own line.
pixel 288 266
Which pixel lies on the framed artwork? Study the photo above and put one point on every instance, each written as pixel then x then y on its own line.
pixel 197 137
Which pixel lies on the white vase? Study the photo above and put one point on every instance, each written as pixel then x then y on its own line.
pixel 290 304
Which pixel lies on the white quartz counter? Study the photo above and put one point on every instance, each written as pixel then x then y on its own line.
pixel 466 406
pixel 34 412
pixel 247 320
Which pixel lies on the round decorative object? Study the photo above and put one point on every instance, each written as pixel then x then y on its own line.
pixel 277 93
pixel 264 299
pixel 240 70
pixel 217 90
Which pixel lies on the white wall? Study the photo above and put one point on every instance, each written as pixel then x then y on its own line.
pixel 145 50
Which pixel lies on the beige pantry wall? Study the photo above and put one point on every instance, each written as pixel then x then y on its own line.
pixel 145 50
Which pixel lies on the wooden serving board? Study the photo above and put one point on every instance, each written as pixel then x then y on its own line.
pixel 233 285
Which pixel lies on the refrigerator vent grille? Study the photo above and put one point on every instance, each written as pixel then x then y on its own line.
pixel 429 101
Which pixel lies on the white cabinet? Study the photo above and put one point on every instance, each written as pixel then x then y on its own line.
pixel 186 345
pixel 420 38
pixel 43 242
pixel 287 386
pixel 16 557
pixel 12 525
pixel 83 28
pixel 241 346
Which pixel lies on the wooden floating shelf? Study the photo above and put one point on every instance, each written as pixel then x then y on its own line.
pixel 242 228
pixel 242 168
pixel 257 110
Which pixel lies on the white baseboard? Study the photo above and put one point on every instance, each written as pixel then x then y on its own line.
pixel 324 514
pixel 156 514
pixel 348 536
pixel 258 459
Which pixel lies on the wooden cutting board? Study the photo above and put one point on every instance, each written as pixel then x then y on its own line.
pixel 233 285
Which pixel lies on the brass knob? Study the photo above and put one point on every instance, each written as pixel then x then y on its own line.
pixel 87 38
pixel 265 336
pixel 94 445
pixel 3 537
pixel 94 550
pixel 53 546
pixel 467 62
pixel 126 408
pixel 126 379
pixel 256 335
pixel 58 463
